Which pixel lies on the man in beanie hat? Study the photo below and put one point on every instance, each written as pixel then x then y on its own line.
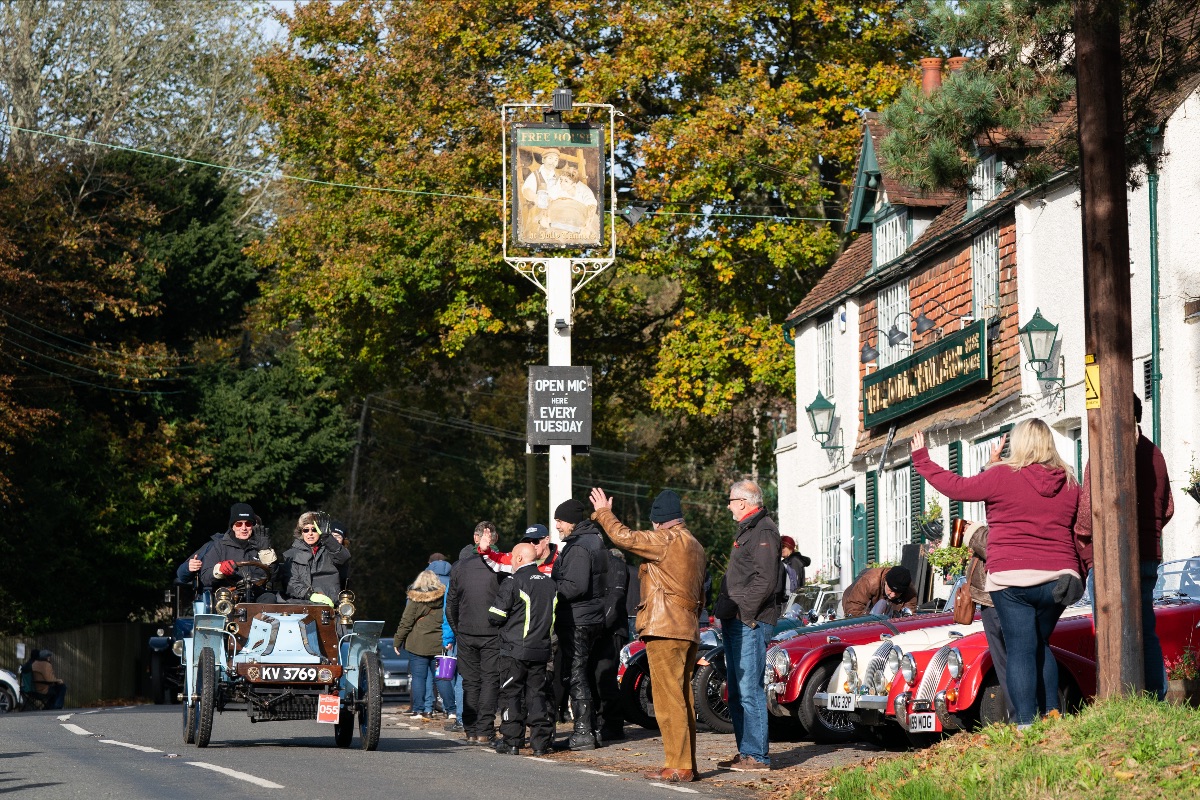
pixel 580 574
pixel 882 590
pixel 671 578
pixel 245 540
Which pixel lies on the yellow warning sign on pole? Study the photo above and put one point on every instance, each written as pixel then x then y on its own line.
pixel 1091 383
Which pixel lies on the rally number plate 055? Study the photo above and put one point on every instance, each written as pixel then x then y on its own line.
pixel 923 722
pixel 841 702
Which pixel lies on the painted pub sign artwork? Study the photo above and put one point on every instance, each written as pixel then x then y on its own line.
pixel 556 182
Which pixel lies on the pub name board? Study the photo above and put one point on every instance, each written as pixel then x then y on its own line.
pixel 955 362
pixel 560 406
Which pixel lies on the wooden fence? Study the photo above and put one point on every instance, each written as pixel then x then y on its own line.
pixel 99 663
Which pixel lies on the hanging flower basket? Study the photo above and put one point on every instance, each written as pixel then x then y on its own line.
pixel 932 531
pixel 1194 491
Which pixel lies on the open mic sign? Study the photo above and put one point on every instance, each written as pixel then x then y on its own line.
pixel 329 707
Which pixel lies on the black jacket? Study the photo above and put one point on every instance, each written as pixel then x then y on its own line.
pixel 473 588
pixel 617 589
pixel 524 611
pixel 305 572
pixel 231 548
pixel 748 588
pixel 580 574
pixel 798 563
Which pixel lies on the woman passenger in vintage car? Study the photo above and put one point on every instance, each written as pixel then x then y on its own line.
pixel 313 565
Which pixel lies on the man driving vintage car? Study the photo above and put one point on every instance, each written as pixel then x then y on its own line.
pixel 240 543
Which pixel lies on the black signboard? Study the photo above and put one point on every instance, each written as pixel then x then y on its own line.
pixel 560 406
pixel 957 361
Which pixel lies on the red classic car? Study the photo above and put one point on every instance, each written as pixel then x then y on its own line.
pixel 956 686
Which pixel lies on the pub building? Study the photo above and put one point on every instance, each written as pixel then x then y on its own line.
pixel 960 314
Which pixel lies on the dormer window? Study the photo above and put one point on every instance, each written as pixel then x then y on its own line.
pixel 985 183
pixel 891 237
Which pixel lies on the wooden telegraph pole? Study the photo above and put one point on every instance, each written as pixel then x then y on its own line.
pixel 1112 432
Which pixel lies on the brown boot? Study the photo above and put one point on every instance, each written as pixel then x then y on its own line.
pixel 671 775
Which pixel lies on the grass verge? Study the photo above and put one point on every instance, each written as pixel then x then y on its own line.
pixel 1124 749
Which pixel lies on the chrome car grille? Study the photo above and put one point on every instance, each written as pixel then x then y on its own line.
pixel 933 673
pixel 875 666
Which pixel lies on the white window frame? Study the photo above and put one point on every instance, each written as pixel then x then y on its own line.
pixel 831 532
pixel 985 274
pixel 891 238
pixel 985 182
pixel 825 358
pixel 895 523
pixel 975 459
pixel 890 303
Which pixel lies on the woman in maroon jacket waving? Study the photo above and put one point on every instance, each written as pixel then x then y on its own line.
pixel 1031 498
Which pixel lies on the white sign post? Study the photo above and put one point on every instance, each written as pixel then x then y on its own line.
pixel 563 209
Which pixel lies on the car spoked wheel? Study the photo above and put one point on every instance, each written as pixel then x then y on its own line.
pixel 823 725
pixel 189 723
pixel 208 697
pixel 636 698
pixel 343 729
pixel 8 700
pixel 370 696
pixel 712 698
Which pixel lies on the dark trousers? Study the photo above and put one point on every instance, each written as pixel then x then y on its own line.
pixel 478 663
pixel 524 699
pixel 995 640
pixel 604 661
pixel 1028 615
pixel 577 642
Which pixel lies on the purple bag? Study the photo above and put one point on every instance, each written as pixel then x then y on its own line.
pixel 445 667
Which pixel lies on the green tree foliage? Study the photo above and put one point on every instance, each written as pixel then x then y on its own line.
pixel 1020 72
pixel 748 107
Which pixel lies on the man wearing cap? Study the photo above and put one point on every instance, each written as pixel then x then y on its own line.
pixel 671 577
pixel 244 541
pixel 546 552
pixel 579 574
pixel 882 590
pixel 746 605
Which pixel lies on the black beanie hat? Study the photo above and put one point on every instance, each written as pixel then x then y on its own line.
pixel 899 578
pixel 666 507
pixel 240 511
pixel 571 511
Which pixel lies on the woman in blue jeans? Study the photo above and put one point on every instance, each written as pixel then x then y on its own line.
pixel 1031 499
pixel 420 633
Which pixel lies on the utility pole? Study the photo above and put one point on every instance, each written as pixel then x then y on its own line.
pixel 362 423
pixel 1112 432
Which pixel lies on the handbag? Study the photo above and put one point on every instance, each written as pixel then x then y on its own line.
pixel 964 603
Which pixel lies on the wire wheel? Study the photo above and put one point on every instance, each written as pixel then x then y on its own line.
pixel 207 704
pixel 370 693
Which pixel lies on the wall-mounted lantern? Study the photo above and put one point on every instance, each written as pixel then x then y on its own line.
pixel 820 415
pixel 1038 337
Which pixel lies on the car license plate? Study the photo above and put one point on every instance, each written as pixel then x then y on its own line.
pixel 841 702
pixel 923 722
pixel 391 681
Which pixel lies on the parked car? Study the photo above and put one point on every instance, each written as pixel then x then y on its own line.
pixel 815 602
pixel 166 670
pixel 11 698
pixel 957 687
pixel 282 662
pixel 397 678
pixel 801 665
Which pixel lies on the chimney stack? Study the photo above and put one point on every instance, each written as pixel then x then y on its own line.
pixel 931 74
pixel 956 63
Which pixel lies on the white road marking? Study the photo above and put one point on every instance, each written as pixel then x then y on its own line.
pixel 598 772
pixel 241 776
pixel 676 788
pixel 95 711
pixel 435 733
pixel 140 747
pixel 64 717
pixel 543 760
pixel 75 729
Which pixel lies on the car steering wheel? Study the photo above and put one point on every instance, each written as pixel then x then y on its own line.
pixel 247 581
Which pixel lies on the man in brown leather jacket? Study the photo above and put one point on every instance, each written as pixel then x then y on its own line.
pixel 671 576
pixel 890 584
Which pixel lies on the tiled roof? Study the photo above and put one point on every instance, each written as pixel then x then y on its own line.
pixel 899 193
pixel 850 268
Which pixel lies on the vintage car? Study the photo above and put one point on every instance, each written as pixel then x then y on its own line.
pixel 956 685
pixel 166 672
pixel 801 664
pixel 282 661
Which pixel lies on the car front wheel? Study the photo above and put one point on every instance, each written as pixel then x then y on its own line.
pixel 823 725
pixel 712 699
pixel 370 693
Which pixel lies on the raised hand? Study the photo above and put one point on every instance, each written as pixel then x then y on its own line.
pixel 601 500
pixel 918 441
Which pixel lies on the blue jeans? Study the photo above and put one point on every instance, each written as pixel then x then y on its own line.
pixel 1028 615
pixel 1152 656
pixel 745 662
pixel 420 668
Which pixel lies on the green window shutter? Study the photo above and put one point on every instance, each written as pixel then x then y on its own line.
pixel 872 516
pixel 916 503
pixel 956 468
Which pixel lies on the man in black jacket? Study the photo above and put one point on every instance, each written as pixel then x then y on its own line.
pixel 473 587
pixel 747 608
pixel 580 574
pixel 244 541
pixel 606 654
pixel 524 608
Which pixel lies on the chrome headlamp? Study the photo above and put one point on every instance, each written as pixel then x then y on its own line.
pixel 224 601
pixel 892 665
pixel 625 656
pixel 849 660
pixel 779 663
pixel 954 663
pixel 345 607
pixel 908 668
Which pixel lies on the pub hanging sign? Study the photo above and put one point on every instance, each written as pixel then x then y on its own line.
pixel 952 364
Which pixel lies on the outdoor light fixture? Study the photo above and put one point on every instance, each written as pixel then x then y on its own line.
pixel 560 100
pixel 561 325
pixel 632 214
pixel 924 323
pixel 820 416
pixel 869 353
pixel 1038 337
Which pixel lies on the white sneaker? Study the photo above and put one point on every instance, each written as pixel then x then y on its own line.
pixel 417 716
pixel 451 717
